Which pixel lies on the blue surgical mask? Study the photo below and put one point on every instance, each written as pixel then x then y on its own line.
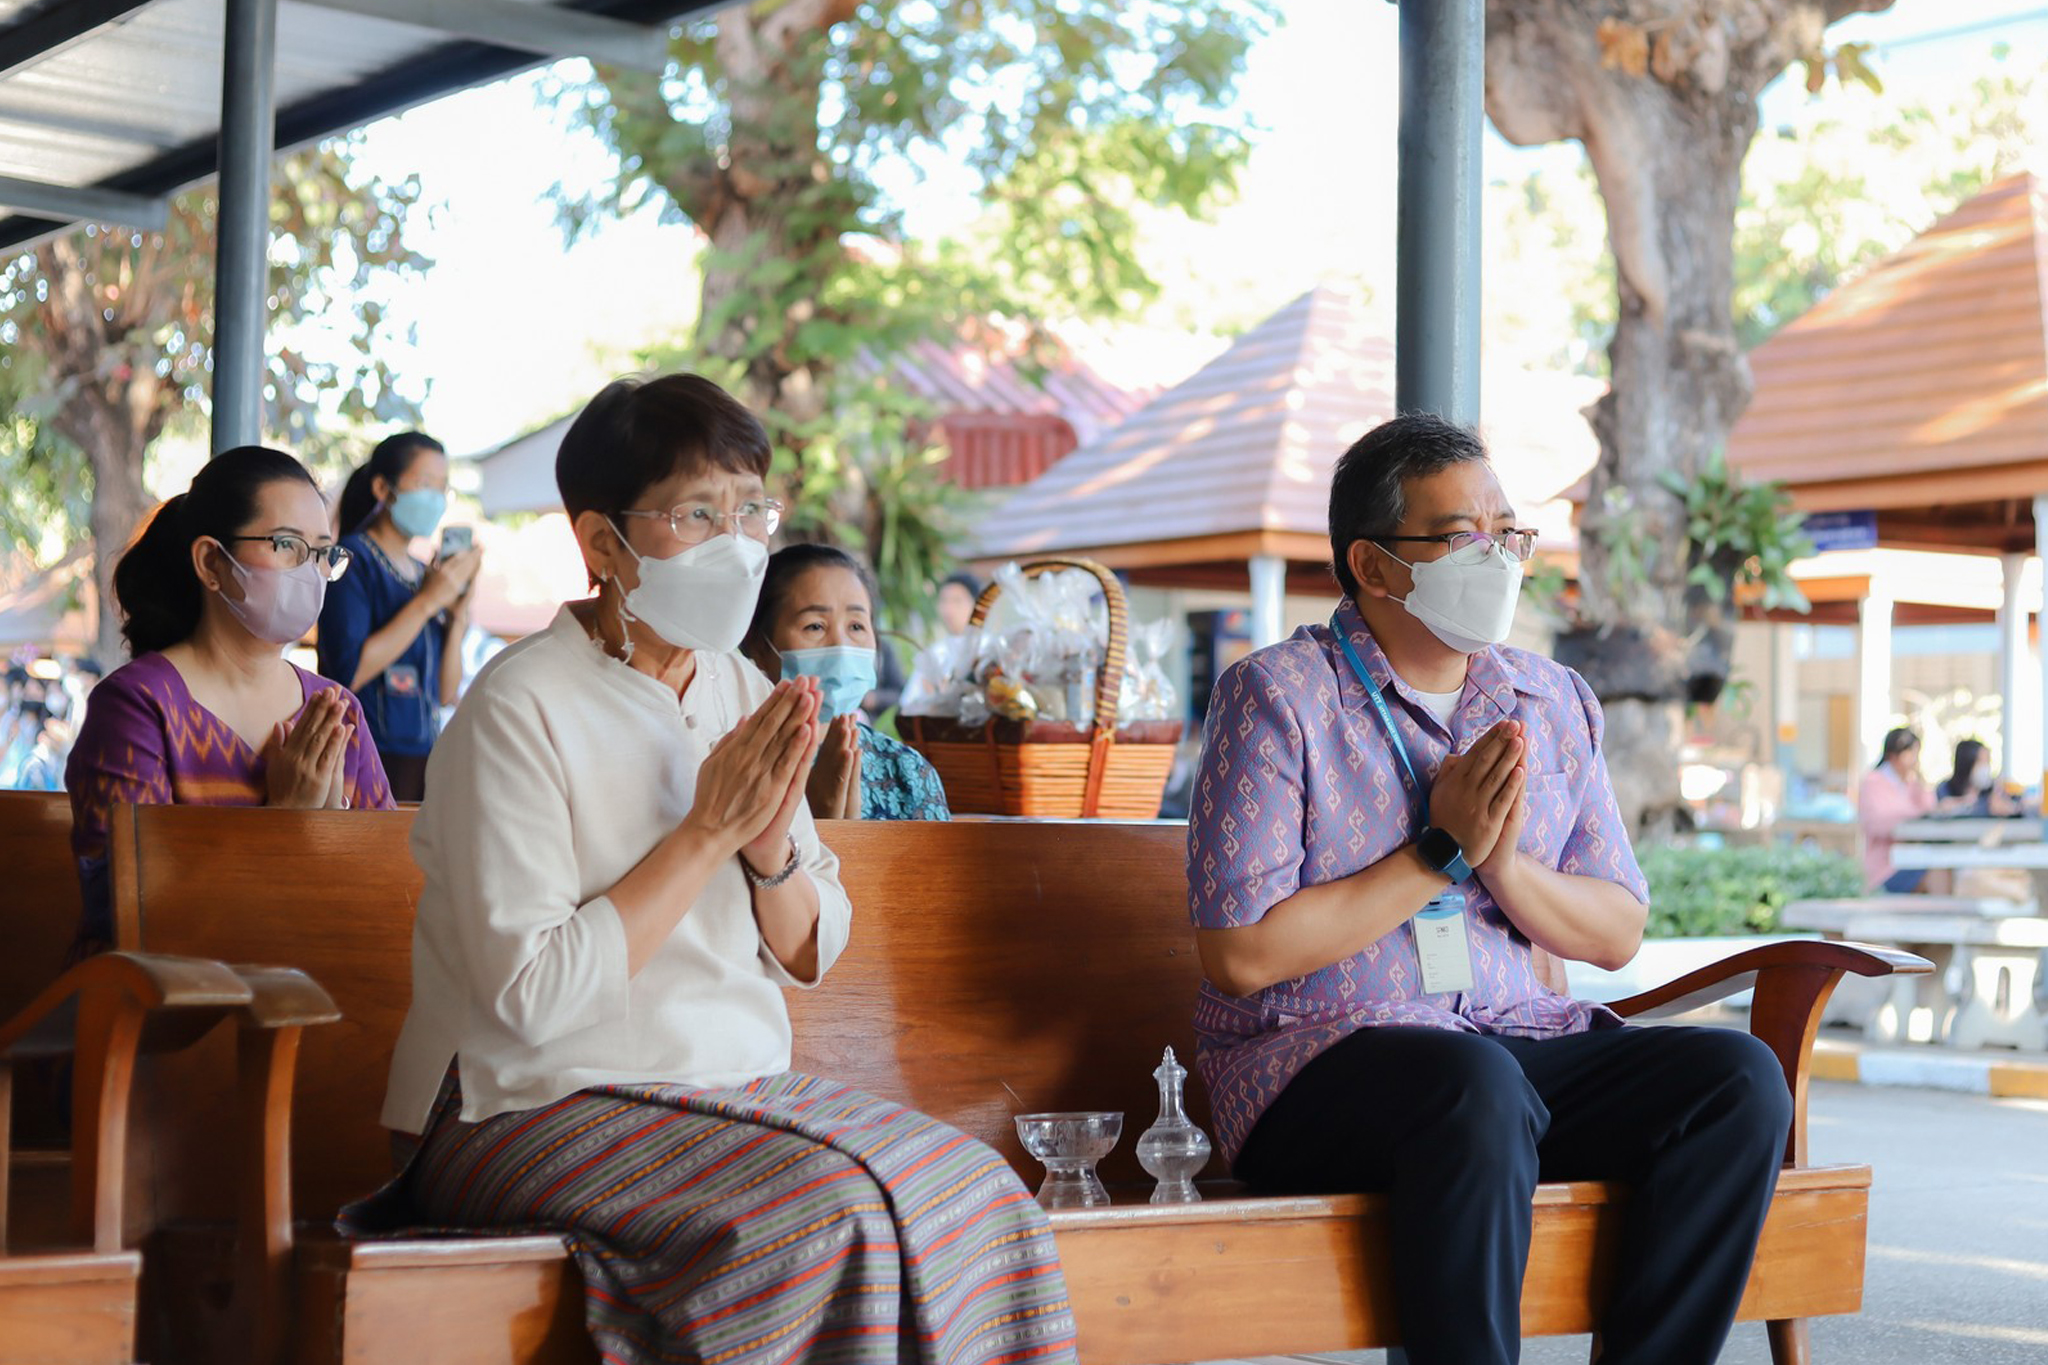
pixel 845 674
pixel 417 511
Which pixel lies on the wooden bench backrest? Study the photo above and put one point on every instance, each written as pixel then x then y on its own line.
pixel 995 968
pixel 40 894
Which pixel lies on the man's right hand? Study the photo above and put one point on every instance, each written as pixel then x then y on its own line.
pixel 1476 791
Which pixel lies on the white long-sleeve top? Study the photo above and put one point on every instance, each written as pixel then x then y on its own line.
pixel 561 770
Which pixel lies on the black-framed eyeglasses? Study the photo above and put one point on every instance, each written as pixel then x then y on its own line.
pixel 296 550
pixel 1472 547
pixel 696 522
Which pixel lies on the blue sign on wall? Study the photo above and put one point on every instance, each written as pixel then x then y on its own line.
pixel 1842 531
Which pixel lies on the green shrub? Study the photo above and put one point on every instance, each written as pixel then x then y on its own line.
pixel 1701 892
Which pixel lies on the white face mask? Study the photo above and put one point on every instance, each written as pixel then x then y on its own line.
pixel 702 598
pixel 1467 606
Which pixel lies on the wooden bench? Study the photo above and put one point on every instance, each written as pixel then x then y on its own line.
pixel 77 1304
pixel 41 894
pixel 995 968
pixel 2000 943
pixel 39 906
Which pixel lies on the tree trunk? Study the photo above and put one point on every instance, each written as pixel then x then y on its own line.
pixel 768 207
pixel 114 449
pixel 1666 129
pixel 114 405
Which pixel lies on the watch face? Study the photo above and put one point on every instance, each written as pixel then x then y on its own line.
pixel 1438 848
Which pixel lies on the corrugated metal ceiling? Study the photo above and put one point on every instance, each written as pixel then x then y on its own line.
pixel 134 103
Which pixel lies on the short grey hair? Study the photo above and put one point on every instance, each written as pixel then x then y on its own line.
pixel 1368 495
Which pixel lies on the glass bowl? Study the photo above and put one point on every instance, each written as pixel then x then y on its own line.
pixel 1069 1145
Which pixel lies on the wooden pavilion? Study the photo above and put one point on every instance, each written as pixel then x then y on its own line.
pixel 1915 400
pixel 1223 481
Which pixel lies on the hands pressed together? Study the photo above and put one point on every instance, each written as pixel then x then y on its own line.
pixel 834 786
pixel 306 759
pixel 1481 796
pixel 750 785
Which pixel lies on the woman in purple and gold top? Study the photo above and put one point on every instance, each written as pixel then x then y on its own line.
pixel 220 581
pixel 1392 813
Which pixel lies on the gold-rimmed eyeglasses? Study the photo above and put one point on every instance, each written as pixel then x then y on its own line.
pixel 696 522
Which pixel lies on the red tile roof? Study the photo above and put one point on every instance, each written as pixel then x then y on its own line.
pixel 1923 381
pixel 1247 444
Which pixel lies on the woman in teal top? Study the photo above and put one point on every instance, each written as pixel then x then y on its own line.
pixel 815 618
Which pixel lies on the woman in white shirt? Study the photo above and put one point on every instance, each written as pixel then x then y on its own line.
pixel 621 878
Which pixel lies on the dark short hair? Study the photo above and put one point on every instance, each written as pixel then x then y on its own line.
pixel 790 563
pixel 1368 493
pixel 159 593
pixel 965 580
pixel 638 432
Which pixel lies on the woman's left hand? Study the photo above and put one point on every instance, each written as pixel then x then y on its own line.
pixel 768 854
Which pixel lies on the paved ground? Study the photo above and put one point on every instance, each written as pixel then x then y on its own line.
pixel 1958 1268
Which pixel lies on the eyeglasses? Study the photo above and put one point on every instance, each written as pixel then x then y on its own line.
pixel 296 550
pixel 696 522
pixel 1472 547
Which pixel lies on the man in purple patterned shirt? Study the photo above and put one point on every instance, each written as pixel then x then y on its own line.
pixel 1392 814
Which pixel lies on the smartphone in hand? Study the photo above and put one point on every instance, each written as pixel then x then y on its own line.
pixel 455 540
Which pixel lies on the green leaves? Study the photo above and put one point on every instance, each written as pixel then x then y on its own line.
pixel 780 132
pixel 1699 892
pixel 118 326
pixel 1739 533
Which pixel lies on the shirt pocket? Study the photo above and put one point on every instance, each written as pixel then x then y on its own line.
pixel 1553 811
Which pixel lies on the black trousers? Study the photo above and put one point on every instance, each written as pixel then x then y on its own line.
pixel 1458 1129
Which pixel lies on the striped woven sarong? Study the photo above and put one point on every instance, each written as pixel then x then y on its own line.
pixel 792 1219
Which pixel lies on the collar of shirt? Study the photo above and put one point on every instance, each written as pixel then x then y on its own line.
pixel 1492 676
pixel 709 706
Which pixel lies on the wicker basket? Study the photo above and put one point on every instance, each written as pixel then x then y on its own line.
pixel 1052 770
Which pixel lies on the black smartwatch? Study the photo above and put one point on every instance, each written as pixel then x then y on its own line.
pixel 1442 854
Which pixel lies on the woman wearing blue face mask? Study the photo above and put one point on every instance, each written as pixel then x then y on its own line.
pixel 815 619
pixel 394 633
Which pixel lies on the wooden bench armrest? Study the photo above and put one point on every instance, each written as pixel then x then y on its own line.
pixel 145 982
pixel 284 997
pixel 103 1013
pixel 1791 983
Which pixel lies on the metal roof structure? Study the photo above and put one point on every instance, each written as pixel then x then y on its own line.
pixel 1919 390
pixel 107 107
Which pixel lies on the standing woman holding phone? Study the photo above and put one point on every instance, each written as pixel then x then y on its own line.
pixel 394 633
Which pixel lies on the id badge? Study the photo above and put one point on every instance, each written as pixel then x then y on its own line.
pixel 1440 944
pixel 402 680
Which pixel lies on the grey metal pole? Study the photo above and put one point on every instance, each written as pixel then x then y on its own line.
pixel 1436 294
pixel 242 257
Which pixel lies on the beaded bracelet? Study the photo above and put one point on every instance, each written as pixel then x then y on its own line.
pixel 761 883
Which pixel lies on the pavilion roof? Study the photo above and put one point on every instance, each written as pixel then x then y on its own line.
pixel 1237 458
pixel 1920 388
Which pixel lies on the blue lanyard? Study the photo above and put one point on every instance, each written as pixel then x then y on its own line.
pixel 1379 704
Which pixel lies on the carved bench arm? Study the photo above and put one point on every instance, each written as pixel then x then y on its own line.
pixel 103 1013
pixel 1791 982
